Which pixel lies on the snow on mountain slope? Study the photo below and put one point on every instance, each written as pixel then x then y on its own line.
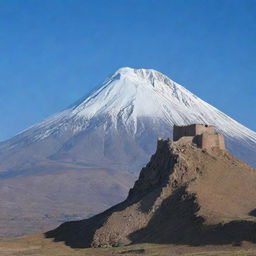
pixel 130 104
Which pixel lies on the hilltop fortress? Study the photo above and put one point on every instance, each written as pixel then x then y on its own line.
pixel 203 135
pixel 179 198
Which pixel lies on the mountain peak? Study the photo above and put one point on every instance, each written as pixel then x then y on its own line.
pixel 124 70
pixel 129 70
pixel 140 73
pixel 132 93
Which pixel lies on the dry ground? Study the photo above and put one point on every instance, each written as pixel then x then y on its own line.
pixel 37 202
pixel 37 245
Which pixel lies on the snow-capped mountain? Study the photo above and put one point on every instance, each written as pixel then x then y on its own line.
pixel 119 123
pixel 75 163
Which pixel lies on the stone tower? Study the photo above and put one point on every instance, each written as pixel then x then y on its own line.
pixel 203 135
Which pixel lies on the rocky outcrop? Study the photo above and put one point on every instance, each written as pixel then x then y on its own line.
pixel 184 195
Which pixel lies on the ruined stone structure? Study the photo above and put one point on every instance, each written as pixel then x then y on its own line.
pixel 204 136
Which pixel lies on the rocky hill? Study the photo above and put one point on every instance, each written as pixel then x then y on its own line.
pixel 184 195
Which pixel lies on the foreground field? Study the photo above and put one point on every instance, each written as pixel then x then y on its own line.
pixel 37 245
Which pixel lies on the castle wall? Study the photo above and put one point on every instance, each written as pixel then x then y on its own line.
pixel 208 141
pixel 180 131
pixel 221 141
pixel 203 136
pixel 191 130
pixel 204 129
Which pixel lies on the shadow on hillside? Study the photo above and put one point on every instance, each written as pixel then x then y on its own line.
pixel 79 234
pixel 175 222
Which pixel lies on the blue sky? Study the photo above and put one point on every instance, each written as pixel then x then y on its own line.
pixel 52 52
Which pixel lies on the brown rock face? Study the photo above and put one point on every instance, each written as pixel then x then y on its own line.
pixel 184 195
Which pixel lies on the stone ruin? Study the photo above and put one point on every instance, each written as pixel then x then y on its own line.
pixel 203 135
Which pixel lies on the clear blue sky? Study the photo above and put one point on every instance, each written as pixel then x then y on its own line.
pixel 52 52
